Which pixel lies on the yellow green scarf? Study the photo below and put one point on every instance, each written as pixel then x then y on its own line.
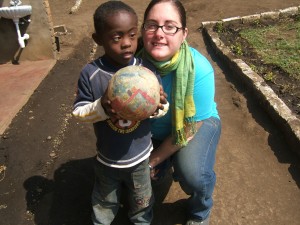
pixel 183 109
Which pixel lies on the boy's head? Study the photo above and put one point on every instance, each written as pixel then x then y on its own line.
pixel 116 29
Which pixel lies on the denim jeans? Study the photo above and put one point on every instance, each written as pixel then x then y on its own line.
pixel 107 191
pixel 194 168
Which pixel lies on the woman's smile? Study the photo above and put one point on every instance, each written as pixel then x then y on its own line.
pixel 159 44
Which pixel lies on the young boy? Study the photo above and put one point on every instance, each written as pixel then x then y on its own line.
pixel 123 147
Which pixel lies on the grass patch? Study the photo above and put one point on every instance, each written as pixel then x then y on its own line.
pixel 272 49
pixel 277 44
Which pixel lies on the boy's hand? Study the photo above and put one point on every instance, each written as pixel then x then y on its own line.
pixel 163 96
pixel 106 104
pixel 163 100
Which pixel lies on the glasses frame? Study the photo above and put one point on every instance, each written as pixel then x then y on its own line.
pixel 162 28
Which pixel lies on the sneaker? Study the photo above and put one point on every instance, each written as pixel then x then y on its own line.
pixel 195 222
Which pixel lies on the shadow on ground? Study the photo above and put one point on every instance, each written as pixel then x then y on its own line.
pixel 65 200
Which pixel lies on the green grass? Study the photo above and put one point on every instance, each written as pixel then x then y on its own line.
pixel 278 44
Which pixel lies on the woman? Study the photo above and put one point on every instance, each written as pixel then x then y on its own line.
pixel 190 131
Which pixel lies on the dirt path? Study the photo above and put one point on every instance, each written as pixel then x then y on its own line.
pixel 48 154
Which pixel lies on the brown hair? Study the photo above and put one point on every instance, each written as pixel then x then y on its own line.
pixel 178 5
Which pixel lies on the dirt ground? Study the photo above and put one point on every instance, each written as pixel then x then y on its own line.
pixel 48 154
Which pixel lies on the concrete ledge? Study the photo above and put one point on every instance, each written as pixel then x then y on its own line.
pixel 17 84
pixel 275 107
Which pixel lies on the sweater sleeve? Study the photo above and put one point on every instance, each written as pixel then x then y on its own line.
pixel 86 108
pixel 91 112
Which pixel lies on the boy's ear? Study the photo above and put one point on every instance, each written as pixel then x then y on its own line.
pixel 97 39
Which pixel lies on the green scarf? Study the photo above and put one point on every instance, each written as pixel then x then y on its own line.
pixel 183 109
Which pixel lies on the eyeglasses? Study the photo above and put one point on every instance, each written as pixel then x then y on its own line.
pixel 167 29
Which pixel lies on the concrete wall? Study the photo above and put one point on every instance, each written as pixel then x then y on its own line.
pixel 40 45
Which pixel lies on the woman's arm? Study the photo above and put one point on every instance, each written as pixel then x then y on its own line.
pixel 166 149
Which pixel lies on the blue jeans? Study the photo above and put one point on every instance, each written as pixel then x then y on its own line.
pixel 194 168
pixel 107 190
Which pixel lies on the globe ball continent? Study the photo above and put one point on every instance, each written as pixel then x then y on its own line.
pixel 134 93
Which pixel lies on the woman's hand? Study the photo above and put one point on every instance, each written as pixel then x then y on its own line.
pixel 153 173
pixel 167 148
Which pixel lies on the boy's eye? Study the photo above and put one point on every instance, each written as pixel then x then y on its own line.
pixel 132 35
pixel 116 38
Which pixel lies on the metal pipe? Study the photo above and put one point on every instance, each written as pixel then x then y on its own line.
pixel 15 2
pixel 20 38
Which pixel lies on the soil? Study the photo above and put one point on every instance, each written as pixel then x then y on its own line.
pixel 48 154
pixel 284 84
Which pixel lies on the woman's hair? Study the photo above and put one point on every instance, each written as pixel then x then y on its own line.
pixel 178 5
pixel 106 10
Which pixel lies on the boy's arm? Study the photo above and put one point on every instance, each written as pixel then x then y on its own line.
pixel 85 107
pixel 90 112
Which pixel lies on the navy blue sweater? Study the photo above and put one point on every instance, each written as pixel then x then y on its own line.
pixel 120 144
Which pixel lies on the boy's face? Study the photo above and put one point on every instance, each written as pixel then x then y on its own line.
pixel 119 38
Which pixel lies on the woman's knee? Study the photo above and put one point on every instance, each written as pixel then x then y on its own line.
pixel 204 182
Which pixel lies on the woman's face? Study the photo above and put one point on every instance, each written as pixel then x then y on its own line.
pixel 159 45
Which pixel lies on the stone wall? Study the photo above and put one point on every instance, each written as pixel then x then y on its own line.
pixel 277 109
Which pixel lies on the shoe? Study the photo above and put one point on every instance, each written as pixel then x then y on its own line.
pixel 195 222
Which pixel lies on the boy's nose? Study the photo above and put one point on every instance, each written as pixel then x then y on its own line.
pixel 126 43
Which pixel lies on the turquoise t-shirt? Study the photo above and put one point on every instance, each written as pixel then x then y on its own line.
pixel 204 93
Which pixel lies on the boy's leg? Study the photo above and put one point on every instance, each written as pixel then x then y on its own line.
pixel 140 194
pixel 106 193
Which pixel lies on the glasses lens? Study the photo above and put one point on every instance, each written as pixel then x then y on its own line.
pixel 150 27
pixel 169 29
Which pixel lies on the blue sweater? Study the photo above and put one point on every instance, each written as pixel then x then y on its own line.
pixel 121 144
